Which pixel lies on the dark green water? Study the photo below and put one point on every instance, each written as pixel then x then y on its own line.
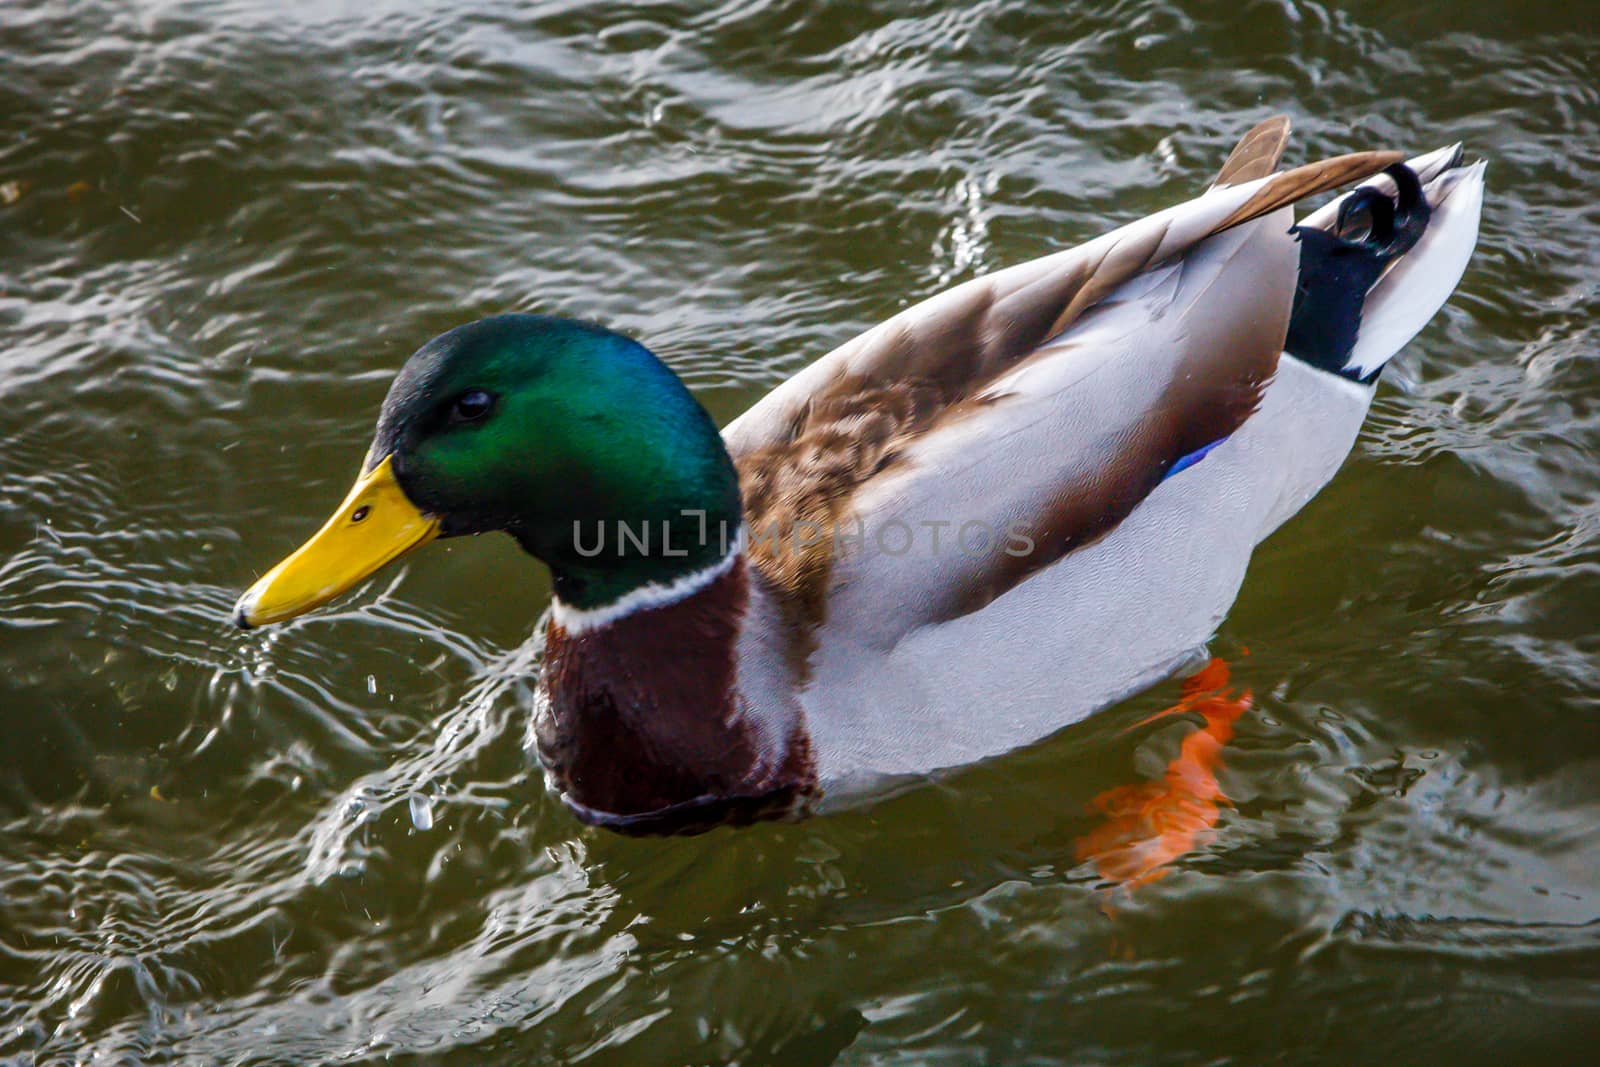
pixel 235 221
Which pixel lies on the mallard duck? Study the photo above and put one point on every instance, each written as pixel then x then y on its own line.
pixel 1002 509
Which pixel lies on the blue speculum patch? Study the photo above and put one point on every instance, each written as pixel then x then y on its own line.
pixel 1187 461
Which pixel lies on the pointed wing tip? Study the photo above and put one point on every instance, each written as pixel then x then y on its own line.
pixel 1257 153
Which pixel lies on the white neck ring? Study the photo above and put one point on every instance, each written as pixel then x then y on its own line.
pixel 651 595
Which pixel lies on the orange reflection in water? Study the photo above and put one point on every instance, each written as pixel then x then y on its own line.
pixel 1150 824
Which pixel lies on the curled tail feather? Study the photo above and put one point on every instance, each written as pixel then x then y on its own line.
pixel 1379 262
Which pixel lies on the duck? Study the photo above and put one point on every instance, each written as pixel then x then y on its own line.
pixel 1003 509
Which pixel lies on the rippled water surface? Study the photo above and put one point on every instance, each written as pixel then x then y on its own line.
pixel 225 224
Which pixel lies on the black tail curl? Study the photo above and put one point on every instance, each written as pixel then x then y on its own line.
pixel 1338 266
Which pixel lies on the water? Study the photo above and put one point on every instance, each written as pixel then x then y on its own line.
pixel 232 222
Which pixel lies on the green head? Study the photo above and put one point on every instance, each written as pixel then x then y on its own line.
pixel 575 440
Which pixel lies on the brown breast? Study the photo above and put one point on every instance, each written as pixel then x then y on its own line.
pixel 642 728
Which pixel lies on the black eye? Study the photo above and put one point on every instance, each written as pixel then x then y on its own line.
pixel 471 406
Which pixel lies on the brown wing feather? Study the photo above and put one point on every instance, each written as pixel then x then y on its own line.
pixel 1210 383
pixel 1257 153
pixel 794 490
pixel 863 402
pixel 1309 180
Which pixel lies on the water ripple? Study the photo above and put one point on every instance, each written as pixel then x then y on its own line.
pixel 227 222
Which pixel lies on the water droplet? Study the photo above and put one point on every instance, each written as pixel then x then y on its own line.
pixel 421 812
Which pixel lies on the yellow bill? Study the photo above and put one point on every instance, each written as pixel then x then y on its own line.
pixel 374 526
